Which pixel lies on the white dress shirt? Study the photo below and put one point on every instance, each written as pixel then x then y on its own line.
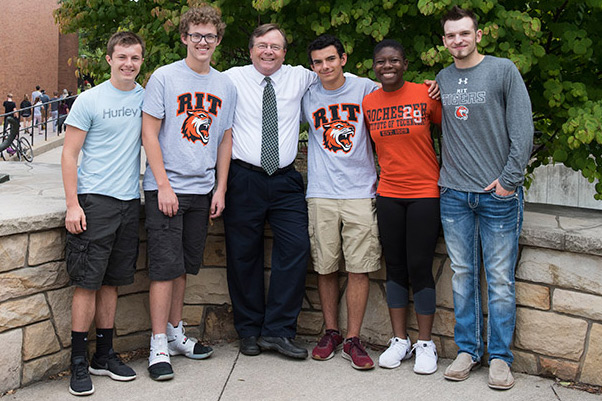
pixel 290 84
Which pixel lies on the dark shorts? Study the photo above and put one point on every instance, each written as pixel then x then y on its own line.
pixel 106 253
pixel 176 244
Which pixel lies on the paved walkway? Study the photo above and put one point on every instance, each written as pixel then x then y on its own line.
pixel 228 375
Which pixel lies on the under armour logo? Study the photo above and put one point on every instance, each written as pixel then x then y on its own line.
pixel 462 81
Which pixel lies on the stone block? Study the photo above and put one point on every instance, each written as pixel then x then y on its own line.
pixel 141 230
pixel 576 303
pixel 440 248
pixel 23 311
pixel 305 304
pixel 564 370
pixel 141 284
pixel 192 315
pixel 541 230
pixel 10 358
pixel 445 295
pixel 550 334
pixel 533 295
pixel 525 362
pixel 43 367
pixel 131 342
pixel 219 324
pixel 562 269
pixel 449 349
pixel 267 253
pixel 584 235
pixel 311 280
pixel 215 251
pixel 60 306
pixel 39 339
pixel 142 261
pixel 133 314
pixel 411 321
pixel 267 275
pixel 210 286
pixel 314 298
pixel 217 228
pixel 31 280
pixel 444 322
pixel 46 246
pixel 592 366
pixel 376 328
pixel 381 273
pixel 585 241
pixel 193 332
pixel 438 265
pixel 12 251
pixel 310 323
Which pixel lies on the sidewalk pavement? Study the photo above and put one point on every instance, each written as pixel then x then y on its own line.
pixel 229 375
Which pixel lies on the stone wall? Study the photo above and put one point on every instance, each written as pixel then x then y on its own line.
pixel 558 285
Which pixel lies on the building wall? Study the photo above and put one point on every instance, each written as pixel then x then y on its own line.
pixel 33 51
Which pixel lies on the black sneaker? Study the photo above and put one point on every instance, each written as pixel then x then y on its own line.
pixel 80 384
pixel 110 365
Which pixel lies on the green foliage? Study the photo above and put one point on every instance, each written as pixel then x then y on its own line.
pixel 556 44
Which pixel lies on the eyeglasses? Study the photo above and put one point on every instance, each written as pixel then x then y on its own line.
pixel 197 37
pixel 264 46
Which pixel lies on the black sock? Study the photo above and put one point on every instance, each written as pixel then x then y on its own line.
pixel 104 341
pixel 79 343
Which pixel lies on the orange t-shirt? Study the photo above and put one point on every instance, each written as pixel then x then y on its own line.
pixel 399 124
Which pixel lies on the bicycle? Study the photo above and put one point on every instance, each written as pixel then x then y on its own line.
pixel 15 144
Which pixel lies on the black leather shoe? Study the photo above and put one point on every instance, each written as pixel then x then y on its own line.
pixel 248 346
pixel 283 345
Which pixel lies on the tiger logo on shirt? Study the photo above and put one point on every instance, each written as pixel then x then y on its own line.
pixel 337 136
pixel 196 126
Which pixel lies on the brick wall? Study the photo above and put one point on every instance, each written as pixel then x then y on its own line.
pixel 32 49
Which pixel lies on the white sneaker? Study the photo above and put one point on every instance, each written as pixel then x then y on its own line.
pixel 159 365
pixel 399 349
pixel 179 344
pixel 426 357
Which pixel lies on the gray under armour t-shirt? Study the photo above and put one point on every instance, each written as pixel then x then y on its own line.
pixel 340 160
pixel 487 125
pixel 196 110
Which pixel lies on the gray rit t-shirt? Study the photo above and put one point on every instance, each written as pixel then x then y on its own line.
pixel 340 160
pixel 196 110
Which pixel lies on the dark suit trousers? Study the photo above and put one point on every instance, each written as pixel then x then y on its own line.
pixel 253 198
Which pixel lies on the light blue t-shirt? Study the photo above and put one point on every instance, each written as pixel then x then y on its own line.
pixel 340 160
pixel 196 109
pixel 110 162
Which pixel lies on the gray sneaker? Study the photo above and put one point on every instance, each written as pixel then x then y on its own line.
pixel 460 368
pixel 500 376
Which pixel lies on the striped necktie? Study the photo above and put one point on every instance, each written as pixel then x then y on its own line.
pixel 269 129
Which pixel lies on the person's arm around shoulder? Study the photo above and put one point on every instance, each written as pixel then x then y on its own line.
pixel 224 154
pixel 168 201
pixel 75 219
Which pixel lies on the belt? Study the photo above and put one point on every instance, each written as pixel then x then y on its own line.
pixel 252 167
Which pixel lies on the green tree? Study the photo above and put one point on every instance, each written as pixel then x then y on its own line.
pixel 556 45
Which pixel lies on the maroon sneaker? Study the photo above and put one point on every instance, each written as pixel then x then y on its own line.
pixel 354 351
pixel 327 345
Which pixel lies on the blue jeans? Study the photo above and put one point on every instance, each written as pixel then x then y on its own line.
pixel 487 224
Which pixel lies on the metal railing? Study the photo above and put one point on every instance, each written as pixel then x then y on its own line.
pixel 47 119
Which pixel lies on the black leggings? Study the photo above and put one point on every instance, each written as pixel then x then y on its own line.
pixel 409 229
